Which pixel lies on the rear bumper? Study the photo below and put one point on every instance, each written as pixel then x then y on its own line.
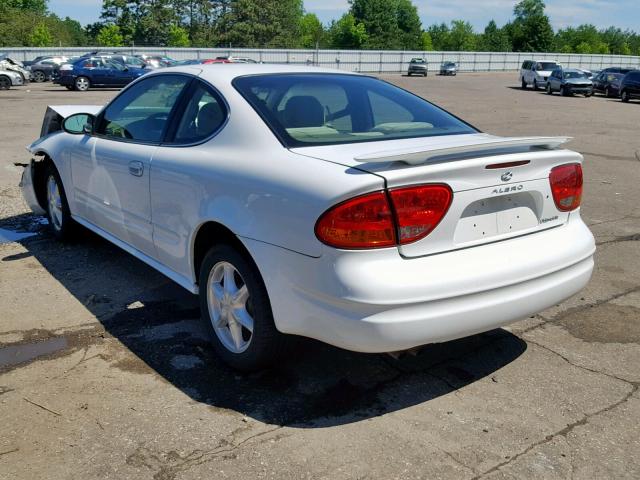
pixel 380 302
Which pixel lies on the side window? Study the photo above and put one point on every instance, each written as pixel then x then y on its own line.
pixel 204 114
pixel 141 113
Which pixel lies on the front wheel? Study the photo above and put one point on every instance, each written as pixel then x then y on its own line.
pixel 58 213
pixel 535 85
pixel 82 84
pixel 607 93
pixel 524 84
pixel 624 96
pixel 236 310
pixel 549 91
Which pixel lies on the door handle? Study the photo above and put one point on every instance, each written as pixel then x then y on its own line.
pixel 136 168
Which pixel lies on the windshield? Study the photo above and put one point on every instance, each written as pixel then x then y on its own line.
pixel 324 109
pixel 546 66
pixel 417 60
pixel 574 75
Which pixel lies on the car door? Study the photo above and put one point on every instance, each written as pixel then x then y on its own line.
pixel 111 170
pixel 176 202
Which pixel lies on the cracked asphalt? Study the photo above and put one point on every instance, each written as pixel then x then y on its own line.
pixel 105 371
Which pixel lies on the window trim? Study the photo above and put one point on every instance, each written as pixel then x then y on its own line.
pixel 288 145
pixel 182 106
pixel 100 117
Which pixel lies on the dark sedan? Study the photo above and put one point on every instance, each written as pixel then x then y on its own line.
pixel 630 86
pixel 90 72
pixel 43 68
pixel 608 84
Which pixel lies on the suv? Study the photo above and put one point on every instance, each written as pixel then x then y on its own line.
pixel 418 66
pixel 536 73
pixel 630 86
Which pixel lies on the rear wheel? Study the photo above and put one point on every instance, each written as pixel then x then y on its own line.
pixel 60 221
pixel 5 83
pixel 39 76
pixel 82 84
pixel 236 310
pixel 624 96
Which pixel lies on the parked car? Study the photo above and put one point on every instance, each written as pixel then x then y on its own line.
pixel 232 59
pixel 156 61
pixel 608 84
pixel 630 86
pixel 588 73
pixel 191 61
pixel 536 73
pixel 89 72
pixel 9 78
pixel 449 68
pixel 568 81
pixel 418 66
pixel 13 65
pixel 42 68
pixel 623 70
pixel 358 213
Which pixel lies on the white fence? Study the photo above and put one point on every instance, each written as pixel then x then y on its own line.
pixel 360 60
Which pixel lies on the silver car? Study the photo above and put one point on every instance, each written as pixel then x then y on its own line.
pixel 8 63
pixel 449 68
pixel 568 81
pixel 418 66
pixel 9 78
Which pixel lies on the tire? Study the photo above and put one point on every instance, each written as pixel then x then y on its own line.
pixel 549 91
pixel 607 93
pixel 61 224
pixel 424 74
pixel 624 96
pixel 563 91
pixel 5 82
pixel 82 84
pixel 38 76
pixel 535 85
pixel 238 346
pixel 524 84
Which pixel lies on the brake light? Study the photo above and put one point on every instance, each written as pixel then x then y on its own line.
pixel 368 221
pixel 419 209
pixel 362 222
pixel 566 186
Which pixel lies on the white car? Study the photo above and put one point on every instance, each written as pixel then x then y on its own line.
pixel 314 202
pixel 536 73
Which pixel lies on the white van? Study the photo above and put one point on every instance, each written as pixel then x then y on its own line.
pixel 536 72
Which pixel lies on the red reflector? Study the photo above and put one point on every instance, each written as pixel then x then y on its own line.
pixel 362 222
pixel 507 164
pixel 419 209
pixel 566 186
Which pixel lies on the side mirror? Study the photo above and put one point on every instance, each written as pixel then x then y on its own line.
pixel 78 124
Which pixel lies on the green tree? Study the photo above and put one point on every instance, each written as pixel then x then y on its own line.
pixel 427 43
pixel 178 37
pixel 347 33
pixel 40 37
pixel 495 39
pixel 439 34
pixel 531 30
pixel 109 36
pixel 36 6
pixel 380 20
pixel 409 25
pixel 461 36
pixel 268 23
pixel 311 30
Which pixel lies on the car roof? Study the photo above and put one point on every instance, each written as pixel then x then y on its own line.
pixel 226 72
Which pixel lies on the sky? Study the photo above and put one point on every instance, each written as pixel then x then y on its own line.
pixel 563 13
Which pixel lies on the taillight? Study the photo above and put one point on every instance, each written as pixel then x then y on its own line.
pixel 419 209
pixel 566 186
pixel 368 221
pixel 362 222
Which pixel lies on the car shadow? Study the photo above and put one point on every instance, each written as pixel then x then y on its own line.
pixel 316 385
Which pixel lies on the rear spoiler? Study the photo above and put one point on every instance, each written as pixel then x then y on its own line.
pixel 416 156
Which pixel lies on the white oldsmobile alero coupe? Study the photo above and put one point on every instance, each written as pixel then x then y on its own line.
pixel 298 200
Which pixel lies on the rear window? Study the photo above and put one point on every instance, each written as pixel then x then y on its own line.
pixel 325 109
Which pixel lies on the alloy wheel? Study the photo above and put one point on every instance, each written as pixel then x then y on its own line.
pixel 54 202
pixel 38 76
pixel 82 84
pixel 230 307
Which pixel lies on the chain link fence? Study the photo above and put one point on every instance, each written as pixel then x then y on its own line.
pixel 372 61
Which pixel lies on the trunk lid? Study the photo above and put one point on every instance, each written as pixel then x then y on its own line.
pixel 510 198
